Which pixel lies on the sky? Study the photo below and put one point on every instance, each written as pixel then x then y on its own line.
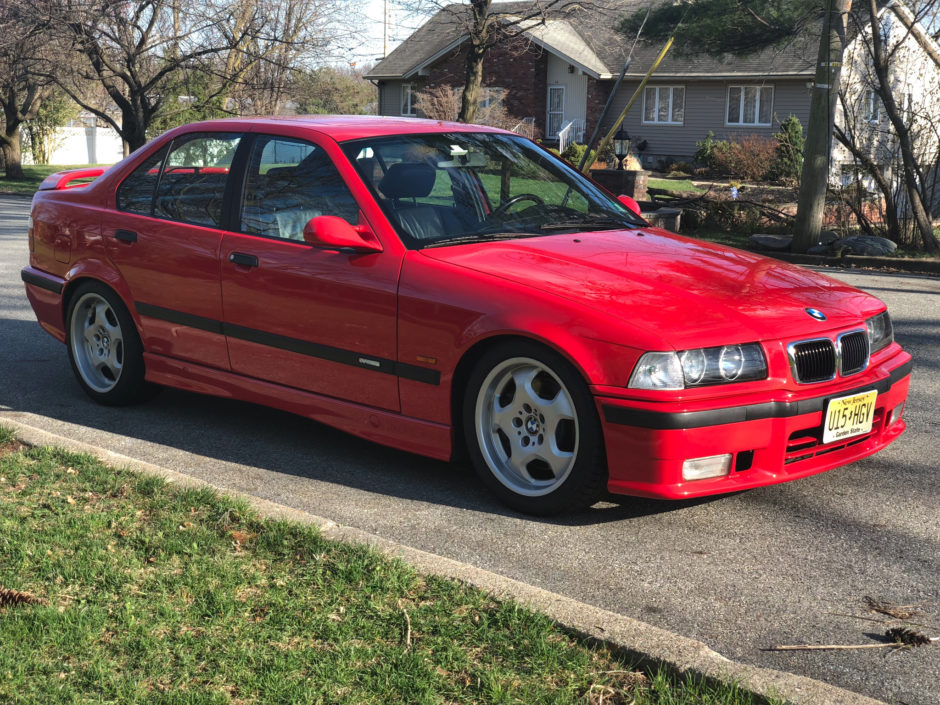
pixel 399 29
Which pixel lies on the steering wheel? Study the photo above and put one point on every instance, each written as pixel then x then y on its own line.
pixel 503 207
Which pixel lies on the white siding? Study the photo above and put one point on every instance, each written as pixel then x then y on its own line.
pixel 575 88
pixel 706 104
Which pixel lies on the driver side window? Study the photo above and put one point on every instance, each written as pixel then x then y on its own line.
pixel 290 181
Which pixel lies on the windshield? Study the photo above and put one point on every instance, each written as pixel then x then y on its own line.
pixel 449 188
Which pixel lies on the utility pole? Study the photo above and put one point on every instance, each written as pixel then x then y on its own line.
pixel 385 33
pixel 818 148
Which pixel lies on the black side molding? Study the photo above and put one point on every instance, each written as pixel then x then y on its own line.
pixel 42 282
pixel 125 235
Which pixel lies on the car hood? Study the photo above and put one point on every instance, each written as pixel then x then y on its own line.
pixel 689 292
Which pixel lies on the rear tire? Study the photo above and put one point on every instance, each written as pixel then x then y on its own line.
pixel 532 430
pixel 104 347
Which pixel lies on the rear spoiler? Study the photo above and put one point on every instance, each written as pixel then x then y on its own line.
pixel 64 179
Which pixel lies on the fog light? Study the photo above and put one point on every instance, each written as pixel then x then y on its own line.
pixel 896 414
pixel 702 468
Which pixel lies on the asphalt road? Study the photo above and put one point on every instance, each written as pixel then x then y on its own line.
pixel 779 565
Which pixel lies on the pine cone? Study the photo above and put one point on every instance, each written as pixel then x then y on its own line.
pixel 14 598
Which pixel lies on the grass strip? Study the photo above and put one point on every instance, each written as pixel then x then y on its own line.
pixel 147 592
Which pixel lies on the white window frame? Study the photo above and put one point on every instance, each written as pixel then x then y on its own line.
pixel 549 112
pixel 492 95
pixel 671 92
pixel 872 106
pixel 408 100
pixel 745 87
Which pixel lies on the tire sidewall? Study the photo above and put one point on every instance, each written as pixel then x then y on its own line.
pixel 587 478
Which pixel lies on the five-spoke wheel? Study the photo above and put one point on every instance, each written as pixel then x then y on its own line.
pixel 104 347
pixel 532 431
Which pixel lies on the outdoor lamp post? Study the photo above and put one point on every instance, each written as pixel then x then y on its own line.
pixel 621 146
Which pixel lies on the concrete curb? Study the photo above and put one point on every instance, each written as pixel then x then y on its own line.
pixel 640 640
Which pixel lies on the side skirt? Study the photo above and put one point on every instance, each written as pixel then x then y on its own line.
pixel 385 427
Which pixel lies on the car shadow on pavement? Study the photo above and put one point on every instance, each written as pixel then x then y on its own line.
pixel 35 378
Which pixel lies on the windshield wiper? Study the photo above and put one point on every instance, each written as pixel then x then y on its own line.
pixel 592 222
pixel 478 237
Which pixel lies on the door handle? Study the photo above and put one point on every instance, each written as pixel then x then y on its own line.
pixel 125 235
pixel 243 259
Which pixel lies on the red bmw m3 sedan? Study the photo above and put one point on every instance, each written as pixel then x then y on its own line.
pixel 451 289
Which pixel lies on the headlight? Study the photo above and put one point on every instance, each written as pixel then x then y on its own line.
pixel 880 332
pixel 699 367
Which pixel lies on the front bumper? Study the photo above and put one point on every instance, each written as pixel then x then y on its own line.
pixel 773 440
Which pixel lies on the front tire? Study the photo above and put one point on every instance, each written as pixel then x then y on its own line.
pixel 532 431
pixel 104 347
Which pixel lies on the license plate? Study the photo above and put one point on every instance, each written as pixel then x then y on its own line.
pixel 849 416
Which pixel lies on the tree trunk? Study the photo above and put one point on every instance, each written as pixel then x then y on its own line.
pixel 476 52
pixel 12 155
pixel 817 150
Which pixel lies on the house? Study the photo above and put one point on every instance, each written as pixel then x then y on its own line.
pixel 561 72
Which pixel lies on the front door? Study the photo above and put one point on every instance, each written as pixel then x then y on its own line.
pixel 556 110
pixel 318 320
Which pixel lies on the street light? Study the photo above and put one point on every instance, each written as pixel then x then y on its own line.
pixel 621 146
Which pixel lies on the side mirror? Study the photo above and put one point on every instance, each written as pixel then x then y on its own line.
pixel 629 203
pixel 328 232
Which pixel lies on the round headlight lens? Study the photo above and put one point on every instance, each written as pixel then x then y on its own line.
pixel 731 362
pixel 693 365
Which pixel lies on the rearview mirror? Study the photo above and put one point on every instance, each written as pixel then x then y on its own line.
pixel 328 232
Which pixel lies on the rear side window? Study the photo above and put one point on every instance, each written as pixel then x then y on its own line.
pixel 194 178
pixel 290 181
pixel 135 194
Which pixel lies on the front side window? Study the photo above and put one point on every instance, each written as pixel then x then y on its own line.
pixel 750 105
pixel 135 194
pixel 452 187
pixel 289 181
pixel 408 100
pixel 194 178
pixel 664 105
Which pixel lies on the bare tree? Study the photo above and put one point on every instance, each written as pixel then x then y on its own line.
pixel 883 51
pixel 146 54
pixel 23 85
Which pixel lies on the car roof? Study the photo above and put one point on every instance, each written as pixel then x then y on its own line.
pixel 342 127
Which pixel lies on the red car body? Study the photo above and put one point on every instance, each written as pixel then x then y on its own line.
pixel 381 344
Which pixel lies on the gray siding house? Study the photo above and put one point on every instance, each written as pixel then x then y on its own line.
pixel 559 74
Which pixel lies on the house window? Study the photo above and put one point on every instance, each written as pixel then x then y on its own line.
pixel 408 99
pixel 664 105
pixel 750 105
pixel 872 106
pixel 492 96
pixel 556 110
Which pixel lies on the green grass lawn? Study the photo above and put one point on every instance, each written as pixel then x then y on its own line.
pixel 33 174
pixel 145 592
pixel 674 185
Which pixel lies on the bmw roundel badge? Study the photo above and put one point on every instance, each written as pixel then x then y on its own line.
pixel 816 313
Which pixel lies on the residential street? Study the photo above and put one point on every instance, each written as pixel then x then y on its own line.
pixel 788 564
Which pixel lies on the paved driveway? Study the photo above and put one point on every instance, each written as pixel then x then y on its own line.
pixel 778 565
